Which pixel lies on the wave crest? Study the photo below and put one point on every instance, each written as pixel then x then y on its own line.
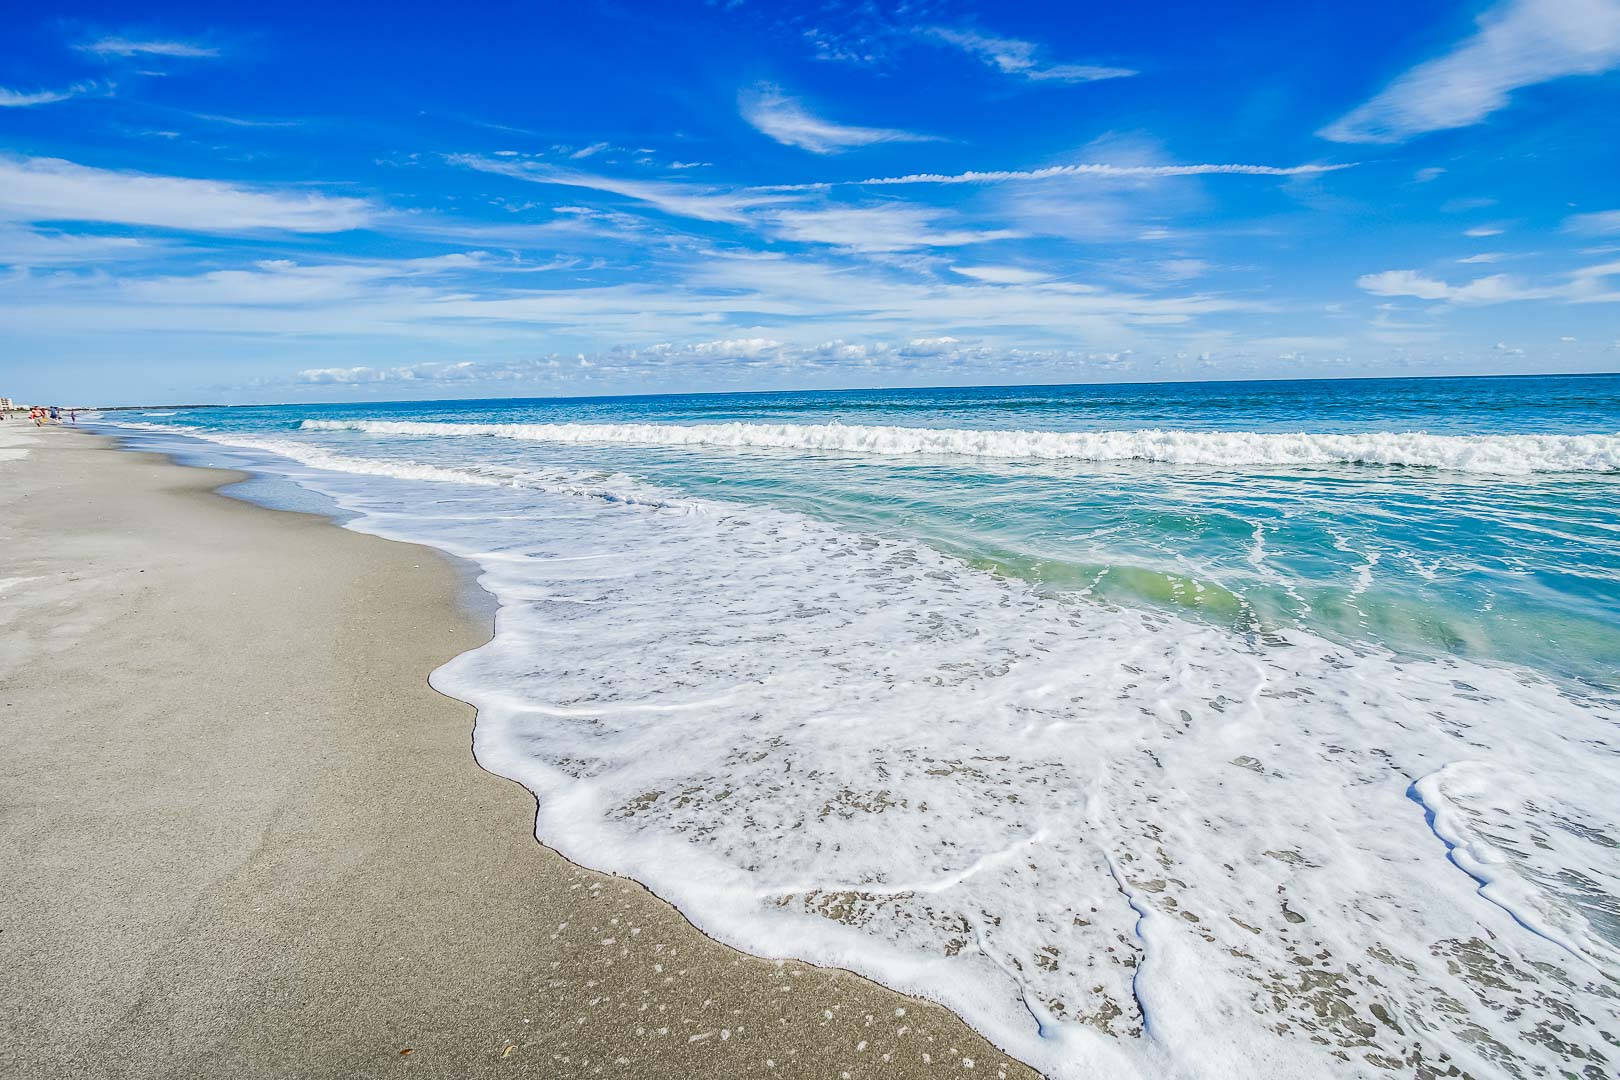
pixel 1509 454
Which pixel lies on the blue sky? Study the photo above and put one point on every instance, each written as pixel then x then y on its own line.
pixel 354 201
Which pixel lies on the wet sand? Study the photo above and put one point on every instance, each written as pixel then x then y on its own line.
pixel 244 838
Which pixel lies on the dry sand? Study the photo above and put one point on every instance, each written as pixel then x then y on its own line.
pixel 242 837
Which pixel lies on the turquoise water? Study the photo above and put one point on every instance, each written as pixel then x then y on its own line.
pixel 1197 730
pixel 1519 567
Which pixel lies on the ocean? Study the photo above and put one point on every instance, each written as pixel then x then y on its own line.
pixel 1221 729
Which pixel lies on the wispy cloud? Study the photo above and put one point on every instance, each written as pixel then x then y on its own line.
pixel 245 121
pixel 589 151
pixel 786 120
pixel 1519 43
pixel 1495 289
pixel 22 99
pixel 876 228
pixel 50 189
pixel 681 200
pixel 684 296
pixel 1001 275
pixel 1021 58
pixel 1586 285
pixel 285 282
pixel 1115 171
pixel 126 46
pixel 32 247
pixel 1604 221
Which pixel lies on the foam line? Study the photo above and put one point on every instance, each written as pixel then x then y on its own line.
pixel 1509 454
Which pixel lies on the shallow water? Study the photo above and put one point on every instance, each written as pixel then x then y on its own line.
pixel 1208 730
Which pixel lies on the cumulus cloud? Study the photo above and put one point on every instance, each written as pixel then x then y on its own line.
pixel 1020 58
pixel 1414 283
pixel 51 189
pixel 461 371
pixel 786 120
pixel 723 359
pixel 1519 43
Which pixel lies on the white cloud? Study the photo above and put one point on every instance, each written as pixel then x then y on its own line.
pixel 1182 269
pixel 1407 283
pixel 745 297
pixel 20 99
pixel 123 46
pixel 461 371
pixel 1000 275
pixel 1484 257
pixel 733 359
pixel 787 121
pixel 587 151
pixel 1424 176
pixel 1604 221
pixel 1584 286
pixel 1014 57
pixel 1124 172
pixel 1481 231
pixel 682 200
pixel 273 282
pixel 1302 343
pixel 875 228
pixel 31 247
pixel 245 121
pixel 1519 43
pixel 50 189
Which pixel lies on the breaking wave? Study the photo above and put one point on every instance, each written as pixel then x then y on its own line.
pixel 1499 454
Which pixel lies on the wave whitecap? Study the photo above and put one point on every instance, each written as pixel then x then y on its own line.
pixel 1509 454
pixel 612 489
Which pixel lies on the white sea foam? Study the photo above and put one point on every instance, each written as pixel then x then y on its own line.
pixel 1120 843
pixel 1466 453
pixel 612 488
pixel 1563 884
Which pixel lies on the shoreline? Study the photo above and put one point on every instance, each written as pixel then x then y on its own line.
pixel 199 892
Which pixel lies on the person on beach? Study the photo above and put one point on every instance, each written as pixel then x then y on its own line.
pixel 37 415
pixel 73 417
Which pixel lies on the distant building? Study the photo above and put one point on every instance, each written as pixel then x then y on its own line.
pixel 6 403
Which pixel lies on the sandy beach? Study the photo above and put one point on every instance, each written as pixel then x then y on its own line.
pixel 244 838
